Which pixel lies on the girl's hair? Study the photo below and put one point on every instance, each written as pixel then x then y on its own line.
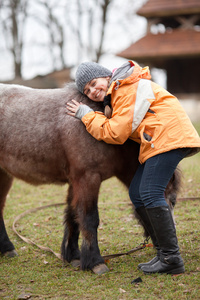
pixel 108 111
pixel 108 108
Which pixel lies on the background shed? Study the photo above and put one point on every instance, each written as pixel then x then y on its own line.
pixel 172 43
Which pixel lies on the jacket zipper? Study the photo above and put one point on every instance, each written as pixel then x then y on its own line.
pixel 117 85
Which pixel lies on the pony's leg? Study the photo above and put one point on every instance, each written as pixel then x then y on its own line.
pixel 85 198
pixel 6 246
pixel 69 248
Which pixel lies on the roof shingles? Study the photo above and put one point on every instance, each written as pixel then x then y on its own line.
pixel 156 8
pixel 178 43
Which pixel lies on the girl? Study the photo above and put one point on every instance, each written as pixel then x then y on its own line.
pixel 143 111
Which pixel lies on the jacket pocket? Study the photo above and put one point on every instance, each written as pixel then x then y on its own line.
pixel 148 133
pixel 151 126
pixel 147 137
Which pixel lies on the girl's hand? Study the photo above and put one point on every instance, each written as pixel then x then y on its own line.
pixel 72 107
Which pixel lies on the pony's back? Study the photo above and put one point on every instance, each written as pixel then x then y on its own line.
pixel 41 143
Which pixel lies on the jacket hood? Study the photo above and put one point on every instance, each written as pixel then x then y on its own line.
pixel 136 74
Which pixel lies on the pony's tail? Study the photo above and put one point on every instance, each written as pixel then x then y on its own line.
pixel 173 188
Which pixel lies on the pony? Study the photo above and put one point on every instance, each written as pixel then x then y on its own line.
pixel 41 144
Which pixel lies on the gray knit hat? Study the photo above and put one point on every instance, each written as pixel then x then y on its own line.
pixel 88 71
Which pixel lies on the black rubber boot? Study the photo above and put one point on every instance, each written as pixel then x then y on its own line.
pixel 170 259
pixel 144 219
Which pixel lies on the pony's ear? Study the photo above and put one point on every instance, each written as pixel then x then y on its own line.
pixel 108 111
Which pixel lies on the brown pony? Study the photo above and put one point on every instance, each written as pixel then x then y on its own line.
pixel 41 144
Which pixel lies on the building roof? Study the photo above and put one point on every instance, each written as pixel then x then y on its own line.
pixel 161 8
pixel 174 44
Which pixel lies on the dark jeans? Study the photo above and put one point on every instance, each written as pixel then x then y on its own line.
pixel 151 178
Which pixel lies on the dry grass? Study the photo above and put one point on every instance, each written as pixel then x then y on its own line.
pixel 40 275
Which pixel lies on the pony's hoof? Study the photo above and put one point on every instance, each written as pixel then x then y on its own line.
pixel 76 263
pixel 100 269
pixel 11 253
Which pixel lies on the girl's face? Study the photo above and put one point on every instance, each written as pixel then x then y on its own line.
pixel 97 88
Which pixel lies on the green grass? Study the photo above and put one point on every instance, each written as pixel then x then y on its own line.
pixel 43 276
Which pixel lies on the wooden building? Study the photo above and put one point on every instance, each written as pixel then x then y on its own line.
pixel 174 45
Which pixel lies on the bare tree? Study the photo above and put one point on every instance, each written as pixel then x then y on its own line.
pixel 55 31
pixel 88 22
pixel 104 9
pixel 13 17
pixel 71 31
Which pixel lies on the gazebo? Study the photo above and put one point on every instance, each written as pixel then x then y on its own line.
pixel 172 43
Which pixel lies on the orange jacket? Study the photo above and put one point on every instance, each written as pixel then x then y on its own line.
pixel 146 113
